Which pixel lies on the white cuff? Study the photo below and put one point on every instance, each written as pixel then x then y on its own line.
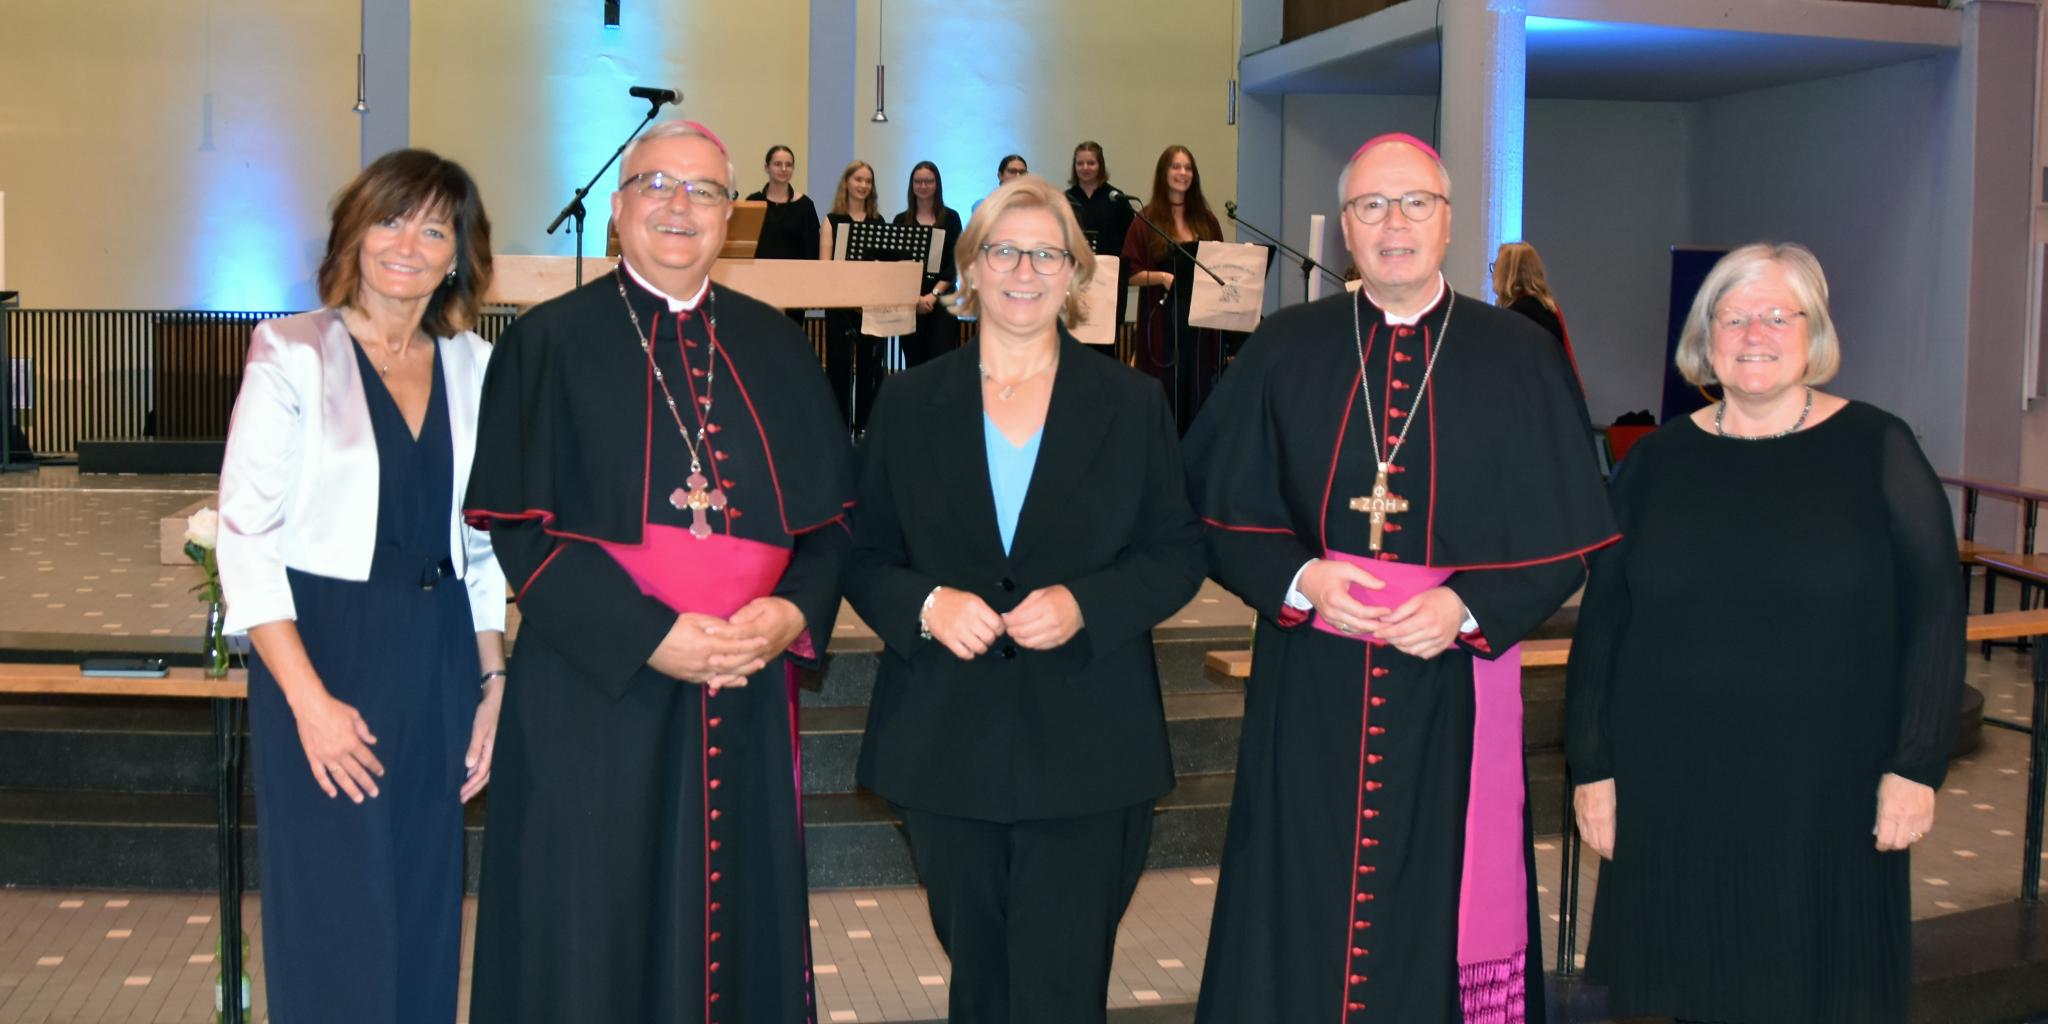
pixel 1295 598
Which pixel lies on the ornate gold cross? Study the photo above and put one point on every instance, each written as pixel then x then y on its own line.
pixel 1379 506
pixel 702 496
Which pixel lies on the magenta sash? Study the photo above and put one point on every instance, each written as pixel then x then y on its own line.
pixel 1493 923
pixel 715 575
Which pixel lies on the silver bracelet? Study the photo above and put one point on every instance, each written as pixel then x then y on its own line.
pixel 497 673
pixel 924 629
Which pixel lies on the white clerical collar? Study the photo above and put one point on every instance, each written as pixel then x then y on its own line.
pixel 675 305
pixel 1410 321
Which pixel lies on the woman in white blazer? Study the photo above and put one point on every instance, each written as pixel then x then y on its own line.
pixel 376 615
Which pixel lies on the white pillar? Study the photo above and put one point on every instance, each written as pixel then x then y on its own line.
pixel 830 145
pixel 1485 93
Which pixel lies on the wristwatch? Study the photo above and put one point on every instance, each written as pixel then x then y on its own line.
pixel 924 629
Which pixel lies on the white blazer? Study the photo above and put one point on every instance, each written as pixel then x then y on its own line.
pixel 298 487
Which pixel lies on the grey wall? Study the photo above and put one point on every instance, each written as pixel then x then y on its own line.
pixel 1605 199
pixel 1855 168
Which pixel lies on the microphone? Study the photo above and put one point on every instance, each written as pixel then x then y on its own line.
pixel 1230 209
pixel 654 95
pixel 1117 195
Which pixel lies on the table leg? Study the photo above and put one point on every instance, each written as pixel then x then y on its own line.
pixel 1568 892
pixel 227 747
pixel 2037 783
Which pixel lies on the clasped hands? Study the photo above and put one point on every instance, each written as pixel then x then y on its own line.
pixel 724 652
pixel 1423 626
pixel 1046 619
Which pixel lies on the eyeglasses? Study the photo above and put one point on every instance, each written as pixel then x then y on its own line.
pixel 1371 208
pixel 1771 321
pixel 1004 257
pixel 663 185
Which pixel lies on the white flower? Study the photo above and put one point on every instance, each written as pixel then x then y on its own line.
pixel 202 527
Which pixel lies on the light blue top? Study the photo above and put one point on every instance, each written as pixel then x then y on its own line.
pixel 1009 474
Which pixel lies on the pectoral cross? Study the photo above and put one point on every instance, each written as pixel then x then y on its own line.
pixel 701 496
pixel 1379 506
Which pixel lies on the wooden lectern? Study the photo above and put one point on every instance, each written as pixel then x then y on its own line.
pixel 787 284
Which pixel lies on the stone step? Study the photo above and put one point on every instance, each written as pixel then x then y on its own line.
pixel 167 746
pixel 115 840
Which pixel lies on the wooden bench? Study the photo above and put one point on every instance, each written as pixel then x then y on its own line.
pixel 187 684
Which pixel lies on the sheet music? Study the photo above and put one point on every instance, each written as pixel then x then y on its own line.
pixel 1237 303
pixel 1099 302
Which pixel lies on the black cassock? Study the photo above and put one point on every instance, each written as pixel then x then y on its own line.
pixel 643 859
pixel 1339 895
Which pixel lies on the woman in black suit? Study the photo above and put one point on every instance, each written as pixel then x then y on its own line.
pixel 1022 525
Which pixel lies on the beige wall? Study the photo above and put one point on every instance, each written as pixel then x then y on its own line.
pixel 173 154
pixel 530 95
pixel 969 82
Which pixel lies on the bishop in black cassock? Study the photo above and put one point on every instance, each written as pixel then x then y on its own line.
pixel 665 478
pixel 1377 865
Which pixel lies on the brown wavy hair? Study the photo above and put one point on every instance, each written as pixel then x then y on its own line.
pixel 1518 273
pixel 839 199
pixel 1195 210
pixel 400 184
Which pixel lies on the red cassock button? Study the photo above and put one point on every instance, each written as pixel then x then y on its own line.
pixel 1358 926
pixel 714 997
pixel 1368 843
pixel 719 456
pixel 1366 869
pixel 1355 951
pixel 1373 785
pixel 716 906
pixel 714 967
pixel 1376 730
pixel 714 722
pixel 714 844
pixel 1393 527
pixel 715 936
pixel 1360 898
pixel 711 428
pixel 1379 702
pixel 1369 759
pixel 714 751
pixel 1377 672
pixel 1370 813
pixel 716 876
pixel 1354 1006
pixel 727 484
pixel 1400 385
pixel 714 783
pixel 1395 413
pixel 1358 979
pixel 715 812
pixel 1402 357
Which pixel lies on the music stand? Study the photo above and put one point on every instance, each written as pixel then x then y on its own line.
pixel 907 242
pixel 743 229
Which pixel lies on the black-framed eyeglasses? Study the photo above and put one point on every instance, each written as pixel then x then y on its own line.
pixel 1417 206
pixel 1003 257
pixel 662 185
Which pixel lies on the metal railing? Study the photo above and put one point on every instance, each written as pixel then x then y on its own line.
pixel 82 374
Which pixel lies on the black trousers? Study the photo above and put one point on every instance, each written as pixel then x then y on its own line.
pixel 1028 911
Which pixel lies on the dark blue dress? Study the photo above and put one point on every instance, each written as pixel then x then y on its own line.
pixel 362 905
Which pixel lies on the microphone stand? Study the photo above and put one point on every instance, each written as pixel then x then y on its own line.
pixel 575 208
pixel 1172 311
pixel 1308 266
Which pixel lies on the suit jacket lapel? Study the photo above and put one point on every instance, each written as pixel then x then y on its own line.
pixel 1075 426
pixel 956 439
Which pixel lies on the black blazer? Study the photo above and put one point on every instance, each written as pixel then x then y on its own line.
pixel 1018 734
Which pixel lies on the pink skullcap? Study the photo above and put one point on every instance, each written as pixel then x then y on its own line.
pixel 1403 137
pixel 709 135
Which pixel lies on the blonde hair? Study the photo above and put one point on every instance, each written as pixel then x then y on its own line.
pixel 1809 285
pixel 1518 273
pixel 1029 192
pixel 839 199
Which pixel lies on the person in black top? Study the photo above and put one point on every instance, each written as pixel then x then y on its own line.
pixel 1787 556
pixel 788 230
pixel 1021 526
pixel 937 331
pixel 1102 211
pixel 853 361
pixel 1520 284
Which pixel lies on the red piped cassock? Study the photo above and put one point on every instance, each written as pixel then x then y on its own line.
pixel 643 857
pixel 1349 893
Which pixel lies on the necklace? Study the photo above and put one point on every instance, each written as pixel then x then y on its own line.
pixel 384 368
pixel 1794 428
pixel 1009 391
pixel 1381 503
pixel 699 496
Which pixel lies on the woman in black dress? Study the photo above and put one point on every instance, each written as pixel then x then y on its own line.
pixel 1521 284
pixel 1184 358
pixel 374 611
pixel 937 330
pixel 789 231
pixel 853 361
pixel 1103 213
pixel 1765 683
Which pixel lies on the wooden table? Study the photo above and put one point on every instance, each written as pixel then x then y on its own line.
pixel 226 696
